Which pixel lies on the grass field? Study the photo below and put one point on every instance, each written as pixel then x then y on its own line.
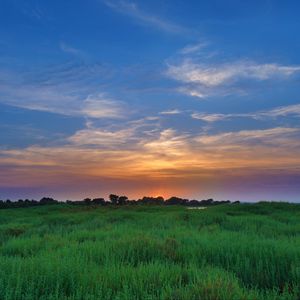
pixel 150 252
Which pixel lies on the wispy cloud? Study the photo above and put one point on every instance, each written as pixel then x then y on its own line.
pixel 69 49
pixel 51 100
pixel 193 48
pixel 203 73
pixel 245 136
pixel 204 78
pixel 132 10
pixel 167 155
pixel 99 106
pixel 168 143
pixel 170 112
pixel 210 117
pixel 69 90
pixel 283 111
pixel 101 137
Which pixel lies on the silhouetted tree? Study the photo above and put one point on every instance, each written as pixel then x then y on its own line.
pixel 87 201
pixel 47 200
pixel 99 201
pixel 151 200
pixel 122 200
pixel 113 199
pixel 176 201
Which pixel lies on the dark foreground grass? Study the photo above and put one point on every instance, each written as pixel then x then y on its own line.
pixel 225 252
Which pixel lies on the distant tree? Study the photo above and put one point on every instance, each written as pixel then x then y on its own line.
pixel 160 200
pixel 132 202
pixel 236 202
pixel 193 203
pixel 176 201
pixel 34 202
pixel 122 200
pixel 210 201
pixel 114 199
pixel 151 200
pixel 87 201
pixel 207 202
pixel 98 201
pixel 47 200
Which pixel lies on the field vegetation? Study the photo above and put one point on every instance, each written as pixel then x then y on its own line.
pixel 228 251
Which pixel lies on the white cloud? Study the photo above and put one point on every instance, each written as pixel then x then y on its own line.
pixel 67 90
pixel 170 112
pixel 101 107
pixel 168 143
pixel 203 79
pixel 132 10
pixel 194 91
pixel 283 111
pixel 215 75
pixel 69 49
pixel 51 100
pixel 271 135
pixel 192 49
pixel 100 137
pixel 209 117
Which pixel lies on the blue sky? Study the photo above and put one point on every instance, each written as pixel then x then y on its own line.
pixel 194 98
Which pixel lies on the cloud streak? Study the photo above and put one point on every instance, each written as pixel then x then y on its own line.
pixel 69 49
pixel 203 76
pixel 132 10
pixel 216 75
pixel 282 111
pixel 170 112
pixel 270 136
pixel 67 90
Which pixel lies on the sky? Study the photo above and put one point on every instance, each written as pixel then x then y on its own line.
pixel 197 99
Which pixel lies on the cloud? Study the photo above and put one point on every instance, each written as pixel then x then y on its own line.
pixel 272 135
pixel 69 49
pixel 49 99
pixel 204 79
pixel 168 143
pixel 194 92
pixel 193 48
pixel 72 90
pixel 101 137
pixel 170 112
pixel 132 10
pixel 124 135
pixel 98 106
pixel 209 117
pixel 283 111
pixel 166 155
pixel 210 76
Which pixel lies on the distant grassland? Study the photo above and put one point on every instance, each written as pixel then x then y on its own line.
pixel 150 252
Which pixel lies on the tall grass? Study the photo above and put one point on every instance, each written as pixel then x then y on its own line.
pixel 225 252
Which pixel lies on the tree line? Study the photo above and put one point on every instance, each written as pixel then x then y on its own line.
pixel 114 200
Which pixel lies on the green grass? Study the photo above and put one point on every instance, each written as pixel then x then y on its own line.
pixel 139 252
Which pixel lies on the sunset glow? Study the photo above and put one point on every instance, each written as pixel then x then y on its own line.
pixel 149 98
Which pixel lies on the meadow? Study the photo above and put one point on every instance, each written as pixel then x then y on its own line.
pixel 233 251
